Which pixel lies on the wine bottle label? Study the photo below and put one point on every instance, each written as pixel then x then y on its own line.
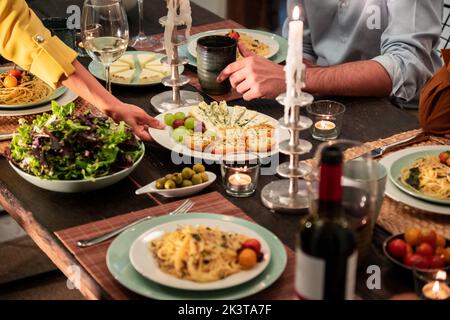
pixel 310 276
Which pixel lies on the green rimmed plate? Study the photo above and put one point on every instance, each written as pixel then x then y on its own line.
pixel 277 57
pixel 98 70
pixel 120 266
pixel 53 96
pixel 405 161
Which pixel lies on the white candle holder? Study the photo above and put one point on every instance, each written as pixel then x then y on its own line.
pixel 291 194
pixel 176 98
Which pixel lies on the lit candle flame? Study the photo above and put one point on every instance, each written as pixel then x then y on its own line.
pixel 238 177
pixel 435 288
pixel 296 13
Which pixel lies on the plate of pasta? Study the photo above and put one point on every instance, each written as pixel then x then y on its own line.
pixel 424 174
pixel 200 254
pixel 20 89
pixel 120 266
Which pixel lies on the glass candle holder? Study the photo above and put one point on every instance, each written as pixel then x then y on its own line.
pixel 327 119
pixel 240 173
pixel 432 284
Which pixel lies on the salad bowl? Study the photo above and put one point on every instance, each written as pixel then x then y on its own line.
pixel 74 186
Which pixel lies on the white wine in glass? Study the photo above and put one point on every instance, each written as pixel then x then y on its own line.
pixel 105 32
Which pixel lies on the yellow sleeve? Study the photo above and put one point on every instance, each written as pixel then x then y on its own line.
pixel 25 41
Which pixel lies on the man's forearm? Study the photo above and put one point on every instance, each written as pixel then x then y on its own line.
pixel 85 85
pixel 362 78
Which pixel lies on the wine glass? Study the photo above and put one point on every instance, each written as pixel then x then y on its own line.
pixel 142 41
pixel 362 185
pixel 105 32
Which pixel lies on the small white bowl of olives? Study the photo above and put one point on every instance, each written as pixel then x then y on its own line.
pixel 181 184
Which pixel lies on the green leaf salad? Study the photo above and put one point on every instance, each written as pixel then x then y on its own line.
pixel 68 146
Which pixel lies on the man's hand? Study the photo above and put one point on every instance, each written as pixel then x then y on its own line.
pixel 137 119
pixel 254 76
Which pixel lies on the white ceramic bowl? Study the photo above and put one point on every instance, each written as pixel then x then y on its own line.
pixel 178 192
pixel 73 186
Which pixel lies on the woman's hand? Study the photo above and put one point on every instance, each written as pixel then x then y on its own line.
pixel 254 76
pixel 137 119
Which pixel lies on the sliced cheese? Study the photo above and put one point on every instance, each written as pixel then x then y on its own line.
pixel 124 76
pixel 145 58
pixel 149 75
pixel 164 70
pixel 127 59
pixel 116 69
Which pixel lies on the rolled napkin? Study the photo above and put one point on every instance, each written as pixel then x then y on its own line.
pixel 434 106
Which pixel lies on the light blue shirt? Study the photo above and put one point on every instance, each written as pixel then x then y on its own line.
pixel 402 35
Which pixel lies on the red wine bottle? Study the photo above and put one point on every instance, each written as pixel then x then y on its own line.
pixel 326 253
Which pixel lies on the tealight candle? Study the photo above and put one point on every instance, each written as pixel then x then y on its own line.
pixel 239 181
pixel 436 290
pixel 324 127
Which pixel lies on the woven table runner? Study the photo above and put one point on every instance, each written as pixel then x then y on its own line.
pixel 93 259
pixel 191 74
pixel 395 216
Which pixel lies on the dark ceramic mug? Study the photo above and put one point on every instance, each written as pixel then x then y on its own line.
pixel 214 53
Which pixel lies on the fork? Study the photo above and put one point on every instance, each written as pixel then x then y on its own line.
pixel 182 209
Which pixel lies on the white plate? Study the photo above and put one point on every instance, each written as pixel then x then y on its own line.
pixel 67 97
pixel 398 195
pixel 144 262
pixel 178 192
pixel 164 139
pixel 274 46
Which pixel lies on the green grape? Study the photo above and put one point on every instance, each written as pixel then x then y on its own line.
pixel 169 119
pixel 179 133
pixel 190 123
pixel 179 116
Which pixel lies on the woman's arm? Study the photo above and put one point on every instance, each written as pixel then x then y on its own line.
pixel 85 85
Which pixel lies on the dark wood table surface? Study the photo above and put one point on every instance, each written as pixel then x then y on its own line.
pixel 41 212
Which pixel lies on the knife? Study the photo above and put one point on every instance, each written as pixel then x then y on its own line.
pixel 416 138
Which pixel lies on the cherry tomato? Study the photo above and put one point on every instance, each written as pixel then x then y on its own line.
pixel 397 248
pixel 252 244
pixel 15 73
pixel 424 250
pixel 443 157
pixel 439 251
pixel 436 262
pixel 10 82
pixel 440 241
pixel 234 35
pixel 428 236
pixel 416 260
pixel 247 258
pixel 412 236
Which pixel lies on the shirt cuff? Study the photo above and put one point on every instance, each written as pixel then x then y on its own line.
pixel 399 87
pixel 52 60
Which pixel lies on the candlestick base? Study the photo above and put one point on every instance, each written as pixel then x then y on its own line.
pixel 276 197
pixel 164 101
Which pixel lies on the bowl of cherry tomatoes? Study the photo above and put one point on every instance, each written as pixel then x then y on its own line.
pixel 422 249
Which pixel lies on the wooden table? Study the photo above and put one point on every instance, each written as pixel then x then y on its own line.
pixel 41 213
